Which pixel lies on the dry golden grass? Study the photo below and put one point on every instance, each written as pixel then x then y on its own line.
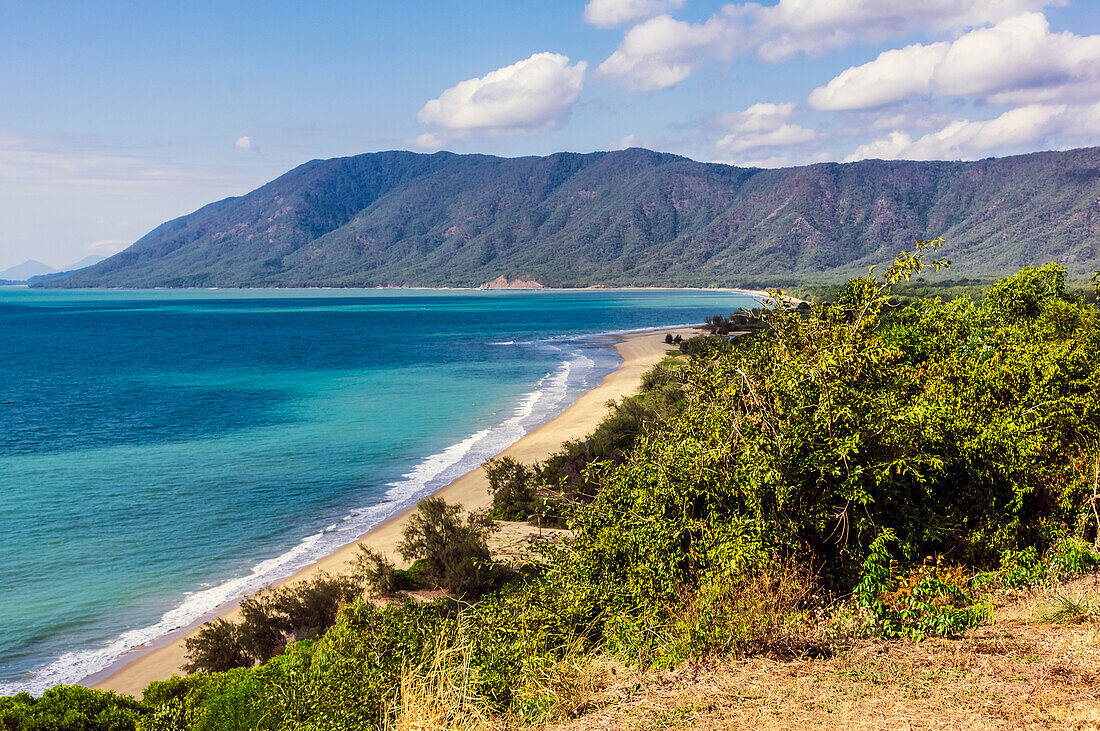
pixel 439 697
pixel 1018 673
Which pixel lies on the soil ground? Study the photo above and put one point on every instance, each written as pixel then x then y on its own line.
pixel 1020 672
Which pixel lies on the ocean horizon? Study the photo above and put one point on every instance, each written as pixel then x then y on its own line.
pixel 165 452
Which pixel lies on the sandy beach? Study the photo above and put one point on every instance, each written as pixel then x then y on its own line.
pixel 639 352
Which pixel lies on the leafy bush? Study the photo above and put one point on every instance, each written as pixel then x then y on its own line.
pixel 1024 294
pixel 216 647
pixel 512 486
pixel 706 347
pixel 1071 557
pixel 66 707
pixel 455 553
pixel 350 678
pixel 1021 568
pixel 952 425
pixel 375 572
pixel 933 599
pixel 269 621
pixel 225 701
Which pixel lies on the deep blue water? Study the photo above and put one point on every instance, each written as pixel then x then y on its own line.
pixel 162 452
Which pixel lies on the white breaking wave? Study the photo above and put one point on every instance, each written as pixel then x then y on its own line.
pixel 549 397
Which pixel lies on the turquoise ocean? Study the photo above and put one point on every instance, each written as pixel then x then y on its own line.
pixel 164 452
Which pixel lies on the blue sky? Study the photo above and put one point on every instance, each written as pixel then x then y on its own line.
pixel 115 117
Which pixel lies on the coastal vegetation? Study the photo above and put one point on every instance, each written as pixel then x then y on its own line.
pixel 861 467
pixel 624 218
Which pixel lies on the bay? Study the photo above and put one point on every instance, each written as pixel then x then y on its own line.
pixel 165 451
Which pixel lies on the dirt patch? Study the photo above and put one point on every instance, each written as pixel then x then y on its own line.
pixel 1017 673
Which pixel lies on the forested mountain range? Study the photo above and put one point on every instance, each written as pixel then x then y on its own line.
pixel 630 217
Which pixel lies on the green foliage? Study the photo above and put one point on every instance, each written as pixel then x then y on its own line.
pixel 224 701
pixel 1071 557
pixel 216 647
pixel 375 572
pixel 1020 568
pixel 454 551
pixel 1024 568
pixel 932 600
pixel 1025 293
pixel 412 577
pixel 71 708
pixel 706 347
pixel 269 621
pixel 960 429
pixel 512 486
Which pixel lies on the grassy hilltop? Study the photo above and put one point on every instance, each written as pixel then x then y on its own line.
pixel 631 217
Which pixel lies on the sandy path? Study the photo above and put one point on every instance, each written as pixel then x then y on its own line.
pixel 162 658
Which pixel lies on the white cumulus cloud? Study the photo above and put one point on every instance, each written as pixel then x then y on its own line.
pixel 1018 128
pixel 1016 61
pixel 894 75
pixel 530 96
pixel 792 27
pixel 662 51
pixel 763 126
pixel 609 13
pixel 243 143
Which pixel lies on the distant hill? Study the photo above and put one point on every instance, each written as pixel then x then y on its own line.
pixel 74 267
pixel 632 217
pixel 85 262
pixel 26 270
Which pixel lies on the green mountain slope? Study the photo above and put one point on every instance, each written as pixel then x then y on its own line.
pixel 632 217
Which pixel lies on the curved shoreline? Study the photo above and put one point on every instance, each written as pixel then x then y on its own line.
pixel 160 659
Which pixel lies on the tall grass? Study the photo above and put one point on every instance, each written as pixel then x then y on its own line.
pixel 440 696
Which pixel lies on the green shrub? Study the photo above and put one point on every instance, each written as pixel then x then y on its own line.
pixel 224 701
pixel 1021 568
pixel 512 487
pixel 71 708
pixel 706 347
pixel 269 621
pixel 216 647
pixel 1071 557
pixel 455 553
pixel 375 573
pixel 1025 293
pixel 931 600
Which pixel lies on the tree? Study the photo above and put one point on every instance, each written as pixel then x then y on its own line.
pixel 512 485
pixel 453 550
pixel 375 572
pixel 215 648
